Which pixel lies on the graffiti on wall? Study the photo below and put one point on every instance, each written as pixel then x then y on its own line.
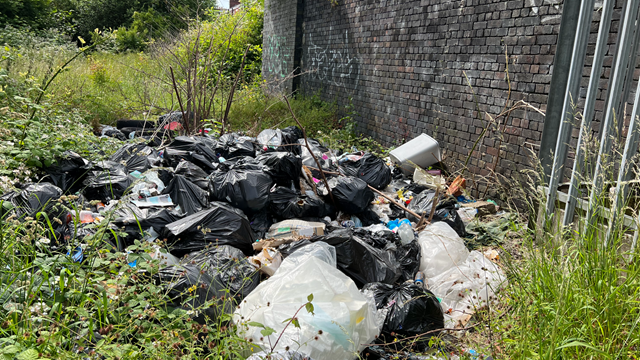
pixel 335 63
pixel 276 56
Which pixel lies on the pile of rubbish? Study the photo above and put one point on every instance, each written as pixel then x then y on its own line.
pixel 378 250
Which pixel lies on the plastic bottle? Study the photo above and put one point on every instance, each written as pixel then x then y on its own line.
pixel 100 207
pixel 406 233
pixel 419 279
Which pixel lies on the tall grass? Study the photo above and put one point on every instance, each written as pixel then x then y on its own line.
pixel 574 296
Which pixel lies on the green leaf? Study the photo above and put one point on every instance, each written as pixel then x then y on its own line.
pixel 583 344
pixel 295 322
pixel 29 354
pixel 267 331
pixel 82 312
pixel 11 349
pixel 255 324
pixel 310 298
pixel 309 307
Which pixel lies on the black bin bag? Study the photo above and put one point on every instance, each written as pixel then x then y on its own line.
pixel 193 173
pixel 68 172
pixel 352 195
pixel 187 195
pixel 412 310
pixel 221 224
pixel 289 204
pixel 108 181
pixel 374 171
pixel 229 267
pixel 136 157
pixel 234 145
pixel 244 187
pixel 285 168
pixel 361 261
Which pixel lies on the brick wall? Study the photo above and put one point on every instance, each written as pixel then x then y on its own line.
pixel 279 44
pixel 413 66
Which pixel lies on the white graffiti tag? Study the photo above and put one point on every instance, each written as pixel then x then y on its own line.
pixel 334 64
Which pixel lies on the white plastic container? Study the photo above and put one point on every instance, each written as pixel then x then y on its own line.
pixel 423 151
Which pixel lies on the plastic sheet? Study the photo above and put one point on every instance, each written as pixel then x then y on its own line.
pixel 270 138
pixel 467 287
pixel 361 261
pixel 187 195
pixel 345 316
pixel 441 249
pixel 248 190
pixel 450 216
pixel 411 309
pixel 288 204
pixel 220 224
pixel 318 150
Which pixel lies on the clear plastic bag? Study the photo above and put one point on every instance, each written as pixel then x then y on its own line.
pixel 347 318
pixel 441 249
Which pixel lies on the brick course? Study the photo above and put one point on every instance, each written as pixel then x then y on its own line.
pixel 412 66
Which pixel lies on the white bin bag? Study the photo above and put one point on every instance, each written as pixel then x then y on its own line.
pixel 464 289
pixel 440 248
pixel 345 316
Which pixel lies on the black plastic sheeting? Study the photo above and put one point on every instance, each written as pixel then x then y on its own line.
pixel 189 196
pixel 285 168
pixel 221 224
pixel 172 157
pixel 289 204
pixel 450 216
pixel 234 145
pixel 243 186
pixel 108 181
pixel 361 261
pixel 412 310
pixel 68 172
pixel 352 195
pixel 193 173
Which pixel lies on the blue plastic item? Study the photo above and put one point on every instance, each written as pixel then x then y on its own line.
pixel 77 255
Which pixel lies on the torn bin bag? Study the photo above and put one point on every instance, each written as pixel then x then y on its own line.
pixel 288 204
pixel 187 195
pixel 361 261
pixel 248 190
pixel 228 267
pixel 32 199
pixel 413 310
pixel 352 195
pixel 221 224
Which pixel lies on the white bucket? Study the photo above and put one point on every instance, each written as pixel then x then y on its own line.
pixel 423 151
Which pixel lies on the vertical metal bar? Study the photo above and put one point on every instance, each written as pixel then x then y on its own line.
pixel 630 149
pixel 629 77
pixel 589 107
pixel 561 65
pixel 617 79
pixel 571 96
